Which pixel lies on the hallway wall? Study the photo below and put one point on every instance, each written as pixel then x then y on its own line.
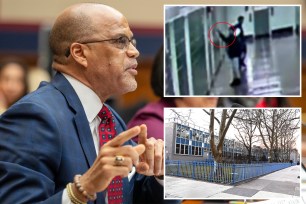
pixel 234 12
pixel 194 60
pixel 283 17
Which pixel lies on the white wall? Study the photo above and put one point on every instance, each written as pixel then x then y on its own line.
pixel 284 16
pixel 220 14
pixel 234 12
pixel 297 15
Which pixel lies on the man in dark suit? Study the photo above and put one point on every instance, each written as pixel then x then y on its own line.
pixel 53 134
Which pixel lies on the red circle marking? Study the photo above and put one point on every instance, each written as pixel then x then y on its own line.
pixel 218 46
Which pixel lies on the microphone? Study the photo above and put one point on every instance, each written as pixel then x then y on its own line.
pixel 237 105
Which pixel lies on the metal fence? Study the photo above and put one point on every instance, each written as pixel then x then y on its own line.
pixel 219 172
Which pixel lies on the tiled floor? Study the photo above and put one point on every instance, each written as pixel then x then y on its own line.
pixel 273 68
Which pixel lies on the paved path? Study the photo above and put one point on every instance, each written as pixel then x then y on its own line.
pixel 280 184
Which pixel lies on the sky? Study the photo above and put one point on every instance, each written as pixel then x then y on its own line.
pixel 200 118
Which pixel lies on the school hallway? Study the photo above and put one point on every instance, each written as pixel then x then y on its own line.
pixel 272 68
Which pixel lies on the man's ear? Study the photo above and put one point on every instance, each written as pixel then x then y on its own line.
pixel 77 52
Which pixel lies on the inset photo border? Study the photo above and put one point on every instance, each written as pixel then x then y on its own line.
pixel 234 154
pixel 232 50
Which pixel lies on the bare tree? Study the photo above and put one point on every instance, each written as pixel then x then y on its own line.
pixel 246 126
pixel 276 128
pixel 288 136
pixel 184 119
pixel 224 123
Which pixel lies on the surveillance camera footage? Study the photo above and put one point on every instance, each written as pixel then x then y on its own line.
pixel 232 50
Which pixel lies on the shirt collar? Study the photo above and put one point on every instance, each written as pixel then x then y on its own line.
pixel 89 99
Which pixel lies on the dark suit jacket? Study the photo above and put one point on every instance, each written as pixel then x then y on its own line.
pixel 45 140
pixel 241 36
pixel 234 50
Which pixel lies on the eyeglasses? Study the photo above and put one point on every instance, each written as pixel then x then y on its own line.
pixel 122 42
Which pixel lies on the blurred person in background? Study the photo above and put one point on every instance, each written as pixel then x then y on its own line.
pixel 13 82
pixel 237 101
pixel 153 113
pixel 35 76
pixel 272 102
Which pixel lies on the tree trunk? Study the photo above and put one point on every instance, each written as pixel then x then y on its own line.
pixel 214 151
pixel 217 150
pixel 249 155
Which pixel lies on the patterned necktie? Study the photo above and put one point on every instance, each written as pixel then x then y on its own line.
pixel 107 131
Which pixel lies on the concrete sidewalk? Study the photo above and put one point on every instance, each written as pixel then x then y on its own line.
pixel 280 184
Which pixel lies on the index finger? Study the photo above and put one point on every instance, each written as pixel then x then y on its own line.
pixel 123 137
pixel 142 137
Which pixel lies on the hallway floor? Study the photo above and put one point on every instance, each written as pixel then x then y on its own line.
pixel 273 68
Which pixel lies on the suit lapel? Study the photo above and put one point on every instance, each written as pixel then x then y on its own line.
pixel 85 137
pixel 80 119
